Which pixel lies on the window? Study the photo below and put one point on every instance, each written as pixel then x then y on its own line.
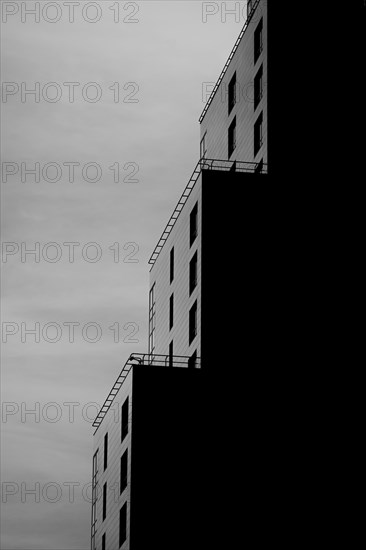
pixel 193 224
pixel 171 354
pixel 94 496
pixel 259 167
pixel 123 472
pixel 193 273
pixel 232 93
pixel 258 40
pixel 192 360
pixel 171 311
pixel 105 451
pixel 258 133
pixel 172 265
pixel 258 87
pixel 152 319
pixel 104 501
pixel 103 542
pixel 124 422
pixel 193 322
pixel 232 137
pixel 123 524
pixel 203 148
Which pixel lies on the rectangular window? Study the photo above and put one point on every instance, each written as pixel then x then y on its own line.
pixel 171 354
pixel 258 40
pixel 193 322
pixel 152 319
pixel 103 542
pixel 193 273
pixel 171 312
pixel 258 133
pixel 192 360
pixel 258 87
pixel 193 224
pixel 105 451
pixel 123 472
pixel 232 93
pixel 94 496
pixel 123 524
pixel 232 137
pixel 172 265
pixel 124 421
pixel 104 501
pixel 203 148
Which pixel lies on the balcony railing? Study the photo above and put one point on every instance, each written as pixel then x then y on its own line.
pixel 148 359
pixel 203 164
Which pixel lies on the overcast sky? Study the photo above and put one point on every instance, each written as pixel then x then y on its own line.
pixel 158 63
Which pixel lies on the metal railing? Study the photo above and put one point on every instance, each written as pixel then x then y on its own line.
pixel 136 359
pixel 250 11
pixel 203 164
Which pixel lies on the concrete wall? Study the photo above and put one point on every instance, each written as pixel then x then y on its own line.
pixel 217 121
pixel 112 424
pixel 160 275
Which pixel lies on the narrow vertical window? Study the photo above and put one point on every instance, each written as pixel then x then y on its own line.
pixel 192 360
pixel 172 265
pixel 193 273
pixel 171 312
pixel 193 224
pixel 105 451
pixel 232 93
pixel 203 148
pixel 258 40
pixel 124 421
pixel 258 133
pixel 123 524
pixel 123 471
pixel 232 137
pixel 103 542
pixel 152 319
pixel 104 501
pixel 258 87
pixel 193 322
pixel 171 354
pixel 94 497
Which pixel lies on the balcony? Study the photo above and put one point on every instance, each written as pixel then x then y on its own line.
pixel 203 164
pixel 136 359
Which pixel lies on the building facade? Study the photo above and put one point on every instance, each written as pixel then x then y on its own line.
pixel 162 430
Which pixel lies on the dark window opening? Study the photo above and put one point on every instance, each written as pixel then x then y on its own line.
pixel 172 265
pixel 123 471
pixel 105 451
pixel 193 322
pixel 192 360
pixel 104 501
pixel 203 148
pixel 258 133
pixel 123 524
pixel 193 224
pixel 232 137
pixel 171 354
pixel 124 421
pixel 258 40
pixel 258 87
pixel 103 542
pixel 171 311
pixel 152 319
pixel 232 93
pixel 193 273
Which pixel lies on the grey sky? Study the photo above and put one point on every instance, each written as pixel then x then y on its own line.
pixel 169 53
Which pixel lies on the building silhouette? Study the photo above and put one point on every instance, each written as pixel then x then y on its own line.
pixel 175 445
